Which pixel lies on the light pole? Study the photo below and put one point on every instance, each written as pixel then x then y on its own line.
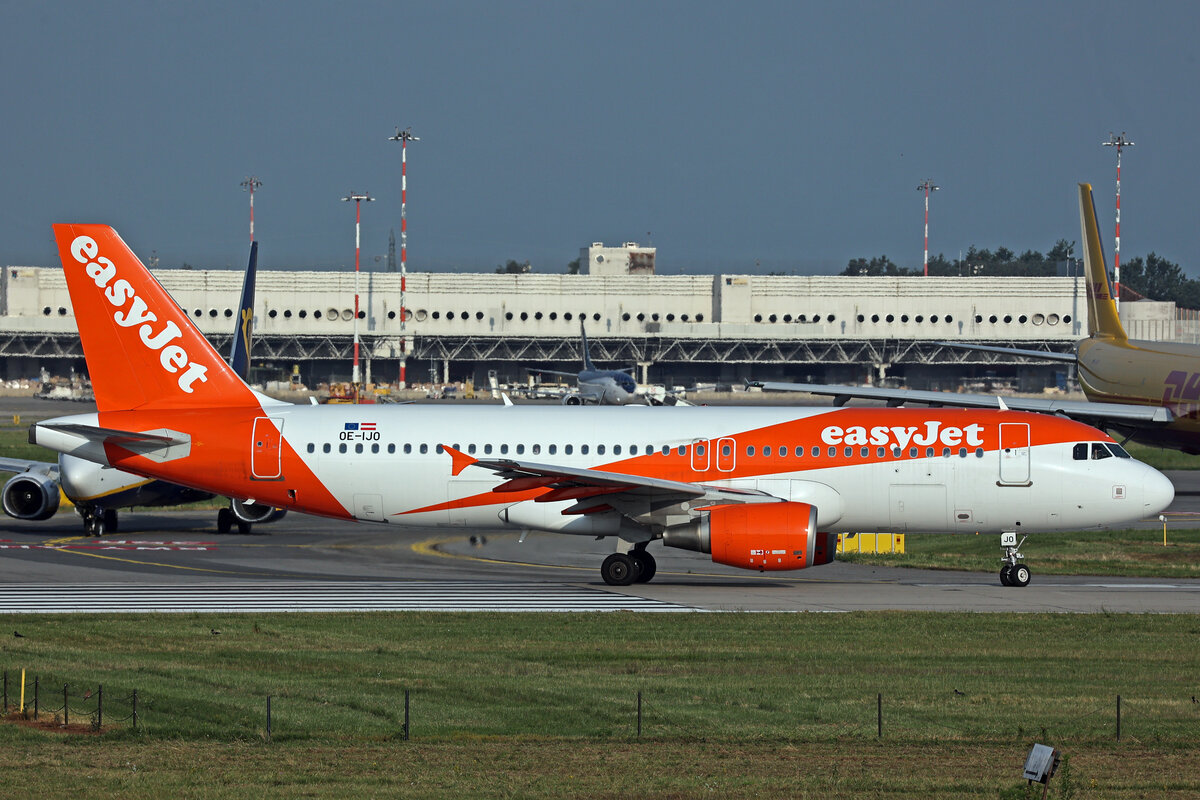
pixel 403 137
pixel 927 186
pixel 358 200
pixel 249 185
pixel 1117 142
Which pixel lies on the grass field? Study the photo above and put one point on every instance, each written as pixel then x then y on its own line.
pixel 760 705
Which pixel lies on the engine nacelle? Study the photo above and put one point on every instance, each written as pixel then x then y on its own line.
pixel 572 399
pixel 761 536
pixel 255 512
pixel 30 495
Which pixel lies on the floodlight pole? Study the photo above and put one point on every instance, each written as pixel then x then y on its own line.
pixel 357 198
pixel 927 186
pixel 1117 142
pixel 403 137
pixel 249 185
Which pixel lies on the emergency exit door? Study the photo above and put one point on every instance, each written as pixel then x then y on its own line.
pixel 1014 453
pixel 265 461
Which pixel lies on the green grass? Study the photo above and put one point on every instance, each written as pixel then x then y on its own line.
pixel 545 705
pixel 1129 553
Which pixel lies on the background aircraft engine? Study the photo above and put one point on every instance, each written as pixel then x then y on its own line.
pixel 254 512
pixel 761 536
pixel 29 496
pixel 572 399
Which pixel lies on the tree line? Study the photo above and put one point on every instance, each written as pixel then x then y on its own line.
pixel 1153 277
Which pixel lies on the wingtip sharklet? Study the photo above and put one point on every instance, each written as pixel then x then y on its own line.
pixel 458 460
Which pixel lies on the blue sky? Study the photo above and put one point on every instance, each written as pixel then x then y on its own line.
pixel 735 137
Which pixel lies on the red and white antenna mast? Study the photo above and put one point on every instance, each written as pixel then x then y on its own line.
pixel 927 186
pixel 1117 142
pixel 358 200
pixel 249 185
pixel 403 137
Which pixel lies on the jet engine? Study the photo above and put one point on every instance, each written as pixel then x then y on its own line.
pixel 255 512
pixel 31 495
pixel 761 536
pixel 572 399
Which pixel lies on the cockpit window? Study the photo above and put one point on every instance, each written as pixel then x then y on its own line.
pixel 1079 452
pixel 1100 451
pixel 1118 451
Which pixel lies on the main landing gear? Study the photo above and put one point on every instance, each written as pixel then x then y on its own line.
pixel 226 520
pixel 624 569
pixel 98 521
pixel 1013 573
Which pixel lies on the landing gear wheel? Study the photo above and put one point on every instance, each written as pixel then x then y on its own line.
pixel 1005 580
pixel 646 567
pixel 1019 575
pixel 225 520
pixel 96 527
pixel 618 570
pixel 243 527
pixel 110 519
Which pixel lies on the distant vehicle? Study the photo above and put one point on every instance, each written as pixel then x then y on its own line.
pixel 605 387
pixel 98 492
pixel 1141 390
pixel 755 488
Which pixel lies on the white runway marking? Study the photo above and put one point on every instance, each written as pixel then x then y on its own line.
pixel 315 596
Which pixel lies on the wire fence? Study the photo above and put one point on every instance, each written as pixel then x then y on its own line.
pixel 649 713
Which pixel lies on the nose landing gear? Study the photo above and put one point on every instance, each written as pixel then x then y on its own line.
pixel 1013 573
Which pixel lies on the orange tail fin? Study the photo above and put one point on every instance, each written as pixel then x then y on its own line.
pixel 141 348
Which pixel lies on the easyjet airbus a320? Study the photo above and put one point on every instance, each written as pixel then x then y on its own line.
pixel 758 488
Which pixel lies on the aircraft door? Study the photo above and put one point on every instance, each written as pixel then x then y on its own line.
pixel 1014 453
pixel 726 454
pixel 700 455
pixel 265 463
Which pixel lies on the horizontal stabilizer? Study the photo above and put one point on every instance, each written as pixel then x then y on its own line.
pixel 74 437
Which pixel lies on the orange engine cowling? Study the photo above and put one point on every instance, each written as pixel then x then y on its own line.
pixel 766 536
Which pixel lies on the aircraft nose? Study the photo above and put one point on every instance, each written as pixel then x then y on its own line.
pixel 1157 491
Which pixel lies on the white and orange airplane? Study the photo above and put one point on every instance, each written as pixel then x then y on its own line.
pixel 758 488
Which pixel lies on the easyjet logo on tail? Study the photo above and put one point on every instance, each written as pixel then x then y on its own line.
pixel 133 311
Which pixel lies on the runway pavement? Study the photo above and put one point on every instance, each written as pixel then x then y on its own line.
pixel 176 561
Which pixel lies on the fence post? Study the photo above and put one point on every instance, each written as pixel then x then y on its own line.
pixel 36 704
pixel 639 714
pixel 6 692
pixel 406 715
pixel 879 715
pixel 1118 718
pixel 100 707
pixel 135 710
pixel 66 709
pixel 268 718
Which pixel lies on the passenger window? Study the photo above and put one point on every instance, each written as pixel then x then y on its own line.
pixel 407 448
pixel 439 450
pixel 880 452
pixel 749 450
pixel 1099 451
pixel 979 452
pixel 962 452
pixel 535 449
pixel 568 449
pixel 929 452
pixel 375 448
pixel 766 451
pixel 487 449
pixel 1080 452
pixel 342 447
pixel 471 448
pixel 816 451
pixel 699 449
pixel 897 452
pixel 681 450
pixel 912 452
pixel 864 452
pixel 616 449
pixel 325 448
pixel 391 447
pixel 312 448
pixel 552 449
pixel 783 452
pixel 599 449
pixel 849 451
pixel 583 449
pixel 832 452
pixel 945 452
pixel 521 449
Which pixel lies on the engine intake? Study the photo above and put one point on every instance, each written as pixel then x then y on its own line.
pixel 31 496
pixel 761 536
pixel 255 512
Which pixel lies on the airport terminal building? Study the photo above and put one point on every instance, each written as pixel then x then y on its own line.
pixel 676 329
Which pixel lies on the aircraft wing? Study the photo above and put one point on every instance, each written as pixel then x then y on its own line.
pixel 1093 413
pixel 553 372
pixel 598 490
pixel 1044 355
pixel 49 468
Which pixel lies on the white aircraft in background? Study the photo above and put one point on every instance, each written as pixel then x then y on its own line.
pixel 757 488
pixel 97 491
